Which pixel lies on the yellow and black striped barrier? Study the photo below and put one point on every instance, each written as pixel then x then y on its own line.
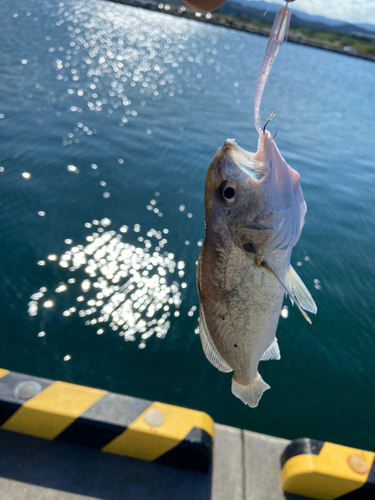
pixel 112 423
pixel 327 471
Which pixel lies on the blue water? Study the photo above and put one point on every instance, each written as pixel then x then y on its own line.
pixel 109 117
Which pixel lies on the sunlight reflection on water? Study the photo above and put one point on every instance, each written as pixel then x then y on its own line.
pixel 109 55
pixel 133 290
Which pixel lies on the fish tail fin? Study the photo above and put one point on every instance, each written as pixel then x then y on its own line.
pixel 250 393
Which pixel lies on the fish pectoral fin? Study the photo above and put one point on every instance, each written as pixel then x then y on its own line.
pixel 209 348
pixel 273 352
pixel 299 291
pixel 290 291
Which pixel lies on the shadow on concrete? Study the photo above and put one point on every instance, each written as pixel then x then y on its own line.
pixel 83 471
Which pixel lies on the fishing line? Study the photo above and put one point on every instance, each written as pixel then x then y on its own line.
pixel 268 8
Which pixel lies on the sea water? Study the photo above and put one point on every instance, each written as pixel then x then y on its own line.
pixel 109 117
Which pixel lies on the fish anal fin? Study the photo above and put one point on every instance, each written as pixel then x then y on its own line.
pixel 294 283
pixel 292 297
pixel 273 352
pixel 209 348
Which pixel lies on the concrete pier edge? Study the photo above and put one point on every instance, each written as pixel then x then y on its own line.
pixel 112 423
pixel 53 435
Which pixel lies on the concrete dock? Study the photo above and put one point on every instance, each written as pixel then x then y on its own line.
pixel 246 466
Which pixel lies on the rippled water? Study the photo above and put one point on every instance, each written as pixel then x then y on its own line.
pixel 109 117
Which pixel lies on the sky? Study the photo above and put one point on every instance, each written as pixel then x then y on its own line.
pixel 357 11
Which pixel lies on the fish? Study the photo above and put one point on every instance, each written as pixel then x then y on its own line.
pixel 254 214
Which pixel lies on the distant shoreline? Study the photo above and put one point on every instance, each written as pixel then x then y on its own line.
pixel 230 23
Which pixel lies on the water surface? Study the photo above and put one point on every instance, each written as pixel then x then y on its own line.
pixel 109 117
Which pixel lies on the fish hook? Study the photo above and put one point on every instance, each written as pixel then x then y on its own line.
pixel 267 122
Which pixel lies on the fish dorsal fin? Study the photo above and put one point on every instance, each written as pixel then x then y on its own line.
pixel 273 352
pixel 290 291
pixel 209 348
pixel 294 283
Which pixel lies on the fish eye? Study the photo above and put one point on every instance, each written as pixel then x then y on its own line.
pixel 227 194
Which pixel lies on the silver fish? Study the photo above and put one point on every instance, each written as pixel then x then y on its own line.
pixel 254 213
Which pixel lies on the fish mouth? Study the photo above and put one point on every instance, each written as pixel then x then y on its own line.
pixel 245 160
